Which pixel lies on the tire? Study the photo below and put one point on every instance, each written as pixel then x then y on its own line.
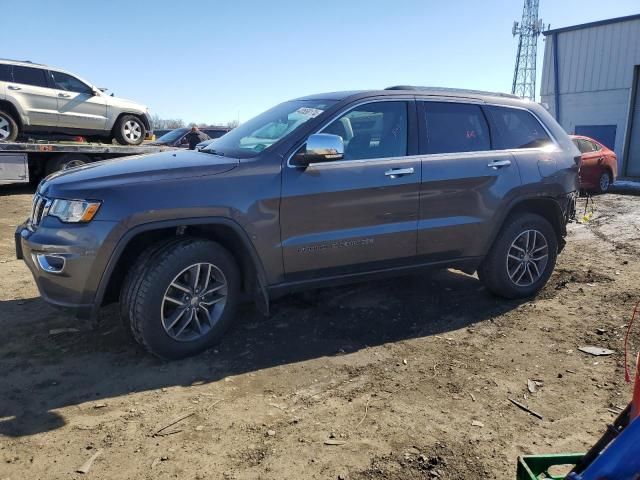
pixel 8 127
pixel 129 130
pixel 498 270
pixel 66 161
pixel 604 182
pixel 157 323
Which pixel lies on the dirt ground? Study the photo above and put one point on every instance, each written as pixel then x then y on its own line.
pixel 398 379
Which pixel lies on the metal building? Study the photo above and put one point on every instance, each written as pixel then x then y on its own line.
pixel 591 84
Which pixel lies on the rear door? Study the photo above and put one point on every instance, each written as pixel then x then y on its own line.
pixel 464 181
pixel 359 213
pixel 78 107
pixel 30 90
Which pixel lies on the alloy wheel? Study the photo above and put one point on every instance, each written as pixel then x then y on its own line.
pixel 132 130
pixel 604 182
pixel 527 258
pixel 5 129
pixel 193 302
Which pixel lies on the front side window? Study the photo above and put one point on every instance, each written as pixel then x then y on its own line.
pixel 516 128
pixel 29 76
pixel 372 130
pixel 455 127
pixel 594 146
pixel 259 133
pixel 65 82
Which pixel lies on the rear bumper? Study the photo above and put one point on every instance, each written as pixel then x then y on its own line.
pixel 62 261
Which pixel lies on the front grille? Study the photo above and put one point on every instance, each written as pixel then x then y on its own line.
pixel 39 209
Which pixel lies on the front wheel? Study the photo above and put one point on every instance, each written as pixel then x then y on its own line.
pixel 522 258
pixel 181 299
pixel 129 130
pixel 604 182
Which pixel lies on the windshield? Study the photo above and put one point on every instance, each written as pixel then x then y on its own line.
pixel 172 136
pixel 252 137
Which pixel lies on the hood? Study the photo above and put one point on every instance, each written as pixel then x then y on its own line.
pixel 125 103
pixel 165 166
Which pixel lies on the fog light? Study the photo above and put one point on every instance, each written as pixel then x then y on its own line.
pixel 50 263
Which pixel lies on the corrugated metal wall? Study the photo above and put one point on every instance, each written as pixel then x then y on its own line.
pixel 594 58
pixel 596 65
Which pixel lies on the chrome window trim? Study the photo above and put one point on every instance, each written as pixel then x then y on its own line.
pixel 428 155
pixel 365 160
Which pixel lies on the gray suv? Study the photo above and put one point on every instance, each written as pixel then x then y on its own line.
pixel 322 190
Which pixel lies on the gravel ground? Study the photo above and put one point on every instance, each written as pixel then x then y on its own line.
pixel 397 379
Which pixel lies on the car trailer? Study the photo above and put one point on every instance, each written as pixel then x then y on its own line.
pixel 22 161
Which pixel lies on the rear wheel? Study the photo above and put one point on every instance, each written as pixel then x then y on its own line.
pixel 522 258
pixel 66 161
pixel 129 130
pixel 183 301
pixel 8 127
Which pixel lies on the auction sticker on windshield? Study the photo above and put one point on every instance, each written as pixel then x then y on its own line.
pixel 309 112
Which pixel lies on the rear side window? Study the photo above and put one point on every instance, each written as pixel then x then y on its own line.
pixel 29 76
pixel 455 127
pixel 5 73
pixel 516 128
pixel 583 145
pixel 215 133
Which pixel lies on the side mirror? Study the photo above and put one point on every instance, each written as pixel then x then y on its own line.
pixel 95 92
pixel 321 147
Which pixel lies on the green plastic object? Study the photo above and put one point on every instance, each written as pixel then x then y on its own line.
pixel 536 467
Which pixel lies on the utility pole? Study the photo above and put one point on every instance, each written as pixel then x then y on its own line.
pixel 528 31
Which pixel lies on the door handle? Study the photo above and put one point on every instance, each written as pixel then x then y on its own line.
pixel 398 172
pixel 11 87
pixel 496 164
pixel 64 95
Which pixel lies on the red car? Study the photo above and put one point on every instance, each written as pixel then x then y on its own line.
pixel 599 165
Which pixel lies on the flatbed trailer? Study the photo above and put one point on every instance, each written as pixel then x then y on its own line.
pixel 21 162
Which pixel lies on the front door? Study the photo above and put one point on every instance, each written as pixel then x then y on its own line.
pixel 358 213
pixel 78 106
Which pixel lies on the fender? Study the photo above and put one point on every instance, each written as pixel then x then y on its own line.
pixel 516 202
pixel 184 222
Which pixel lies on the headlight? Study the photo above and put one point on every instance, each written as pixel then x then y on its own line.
pixel 74 211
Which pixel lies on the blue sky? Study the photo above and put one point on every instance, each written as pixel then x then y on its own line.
pixel 214 61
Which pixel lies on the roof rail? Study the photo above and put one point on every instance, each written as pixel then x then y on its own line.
pixel 19 61
pixel 450 90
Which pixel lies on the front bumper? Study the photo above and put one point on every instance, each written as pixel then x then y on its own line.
pixel 63 261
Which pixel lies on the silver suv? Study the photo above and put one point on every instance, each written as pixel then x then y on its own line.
pixel 43 99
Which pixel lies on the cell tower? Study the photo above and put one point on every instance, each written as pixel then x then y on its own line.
pixel 528 30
